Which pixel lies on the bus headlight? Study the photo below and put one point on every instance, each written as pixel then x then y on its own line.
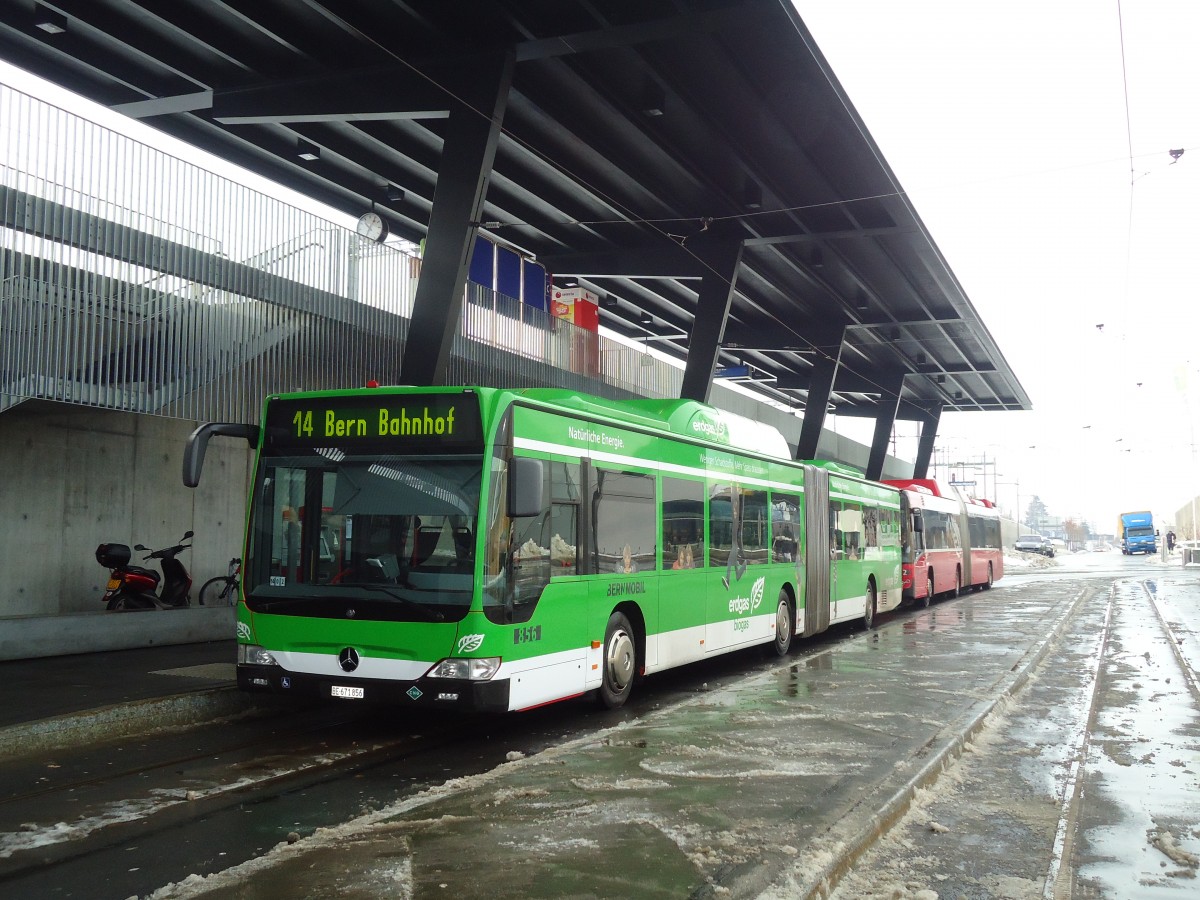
pixel 253 655
pixel 467 669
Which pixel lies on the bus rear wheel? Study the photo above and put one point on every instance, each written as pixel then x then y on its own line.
pixel 620 661
pixel 784 625
pixel 869 609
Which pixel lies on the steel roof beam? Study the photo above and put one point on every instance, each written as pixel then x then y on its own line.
pixel 468 153
pixel 929 427
pixel 712 311
pixel 820 389
pixel 885 419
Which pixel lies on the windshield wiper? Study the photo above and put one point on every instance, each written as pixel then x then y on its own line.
pixel 434 615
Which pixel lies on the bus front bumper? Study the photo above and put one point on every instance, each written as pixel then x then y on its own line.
pixel 430 693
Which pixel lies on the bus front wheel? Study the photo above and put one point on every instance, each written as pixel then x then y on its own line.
pixel 928 598
pixel 620 661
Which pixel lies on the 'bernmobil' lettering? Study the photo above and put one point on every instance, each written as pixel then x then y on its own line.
pixel 626 587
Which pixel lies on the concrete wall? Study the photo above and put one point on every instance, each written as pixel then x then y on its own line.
pixel 74 477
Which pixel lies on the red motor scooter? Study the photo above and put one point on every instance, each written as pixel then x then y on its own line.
pixel 136 587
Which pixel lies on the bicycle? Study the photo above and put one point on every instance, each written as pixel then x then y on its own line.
pixel 223 589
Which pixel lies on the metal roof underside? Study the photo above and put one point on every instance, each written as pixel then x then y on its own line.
pixel 634 130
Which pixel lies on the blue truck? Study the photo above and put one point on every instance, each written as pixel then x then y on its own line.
pixel 1136 533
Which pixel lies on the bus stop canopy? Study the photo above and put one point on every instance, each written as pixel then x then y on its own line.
pixel 693 162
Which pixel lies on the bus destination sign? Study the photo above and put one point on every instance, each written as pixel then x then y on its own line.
pixel 427 422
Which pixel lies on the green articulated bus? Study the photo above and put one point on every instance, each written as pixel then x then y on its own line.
pixel 497 550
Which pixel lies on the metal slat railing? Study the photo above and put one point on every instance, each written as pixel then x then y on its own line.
pixel 135 281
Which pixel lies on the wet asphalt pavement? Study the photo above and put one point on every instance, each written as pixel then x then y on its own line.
pixel 1035 740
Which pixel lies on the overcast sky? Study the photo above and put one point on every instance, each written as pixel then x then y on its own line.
pixel 1006 123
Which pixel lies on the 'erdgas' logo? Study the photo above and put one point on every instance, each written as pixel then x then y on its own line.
pixel 756 593
pixel 749 604
pixel 711 429
pixel 469 643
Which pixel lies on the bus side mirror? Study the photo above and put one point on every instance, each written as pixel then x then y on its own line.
pixel 197 444
pixel 525 483
pixel 918 522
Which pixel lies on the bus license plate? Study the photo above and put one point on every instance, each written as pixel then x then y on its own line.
pixel 351 693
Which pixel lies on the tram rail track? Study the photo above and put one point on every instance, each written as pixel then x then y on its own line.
pixel 114 807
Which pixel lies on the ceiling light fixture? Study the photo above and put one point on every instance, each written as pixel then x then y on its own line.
pixel 306 151
pixel 862 302
pixel 394 194
pixel 49 20
pixel 941 379
pixel 752 194
pixel 645 318
pixel 654 99
pixel 817 260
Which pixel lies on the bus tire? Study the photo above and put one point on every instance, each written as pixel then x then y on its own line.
pixel 619 663
pixel 785 625
pixel 928 598
pixel 869 610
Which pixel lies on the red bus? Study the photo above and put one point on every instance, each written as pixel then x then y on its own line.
pixel 950 542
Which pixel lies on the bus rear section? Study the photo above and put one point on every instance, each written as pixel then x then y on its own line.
pixel 932 548
pixel 984 556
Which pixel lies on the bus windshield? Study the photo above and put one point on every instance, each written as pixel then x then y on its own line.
pixel 391 537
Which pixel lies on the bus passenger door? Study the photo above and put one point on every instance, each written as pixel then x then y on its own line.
pixel 820 559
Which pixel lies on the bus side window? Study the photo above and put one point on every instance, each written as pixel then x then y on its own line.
pixel 624 510
pixel 564 518
pixel 683 523
pixel 530 551
pixel 754 526
pixel 785 525
pixel 871 527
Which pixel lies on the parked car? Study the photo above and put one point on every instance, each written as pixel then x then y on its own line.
pixel 1035 543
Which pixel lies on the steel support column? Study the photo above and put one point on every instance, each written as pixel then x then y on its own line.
pixel 889 403
pixel 929 427
pixel 820 389
pixel 712 310
pixel 468 151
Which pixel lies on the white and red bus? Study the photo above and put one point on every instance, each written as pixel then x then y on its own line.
pixel 950 542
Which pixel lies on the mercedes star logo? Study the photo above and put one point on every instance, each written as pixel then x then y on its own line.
pixel 348 659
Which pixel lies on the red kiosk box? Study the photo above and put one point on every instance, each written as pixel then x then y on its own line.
pixel 581 308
